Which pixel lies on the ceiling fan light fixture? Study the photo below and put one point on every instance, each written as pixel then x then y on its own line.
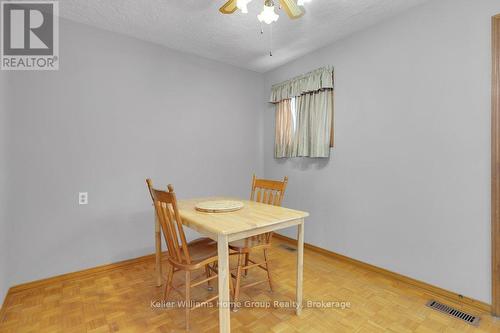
pixel 268 15
pixel 242 5
pixel 302 2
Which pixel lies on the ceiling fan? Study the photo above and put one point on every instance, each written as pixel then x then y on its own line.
pixel 291 7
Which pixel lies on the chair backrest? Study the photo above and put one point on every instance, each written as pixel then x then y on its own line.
pixel 267 191
pixel 167 213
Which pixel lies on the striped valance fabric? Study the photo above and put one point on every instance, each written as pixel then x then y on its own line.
pixel 318 79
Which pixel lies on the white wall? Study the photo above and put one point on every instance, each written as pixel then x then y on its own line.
pixel 119 110
pixel 408 186
pixel 4 286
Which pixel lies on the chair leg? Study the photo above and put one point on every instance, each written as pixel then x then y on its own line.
pixel 207 272
pixel 168 284
pixel 247 257
pixel 266 259
pixel 188 297
pixel 231 286
pixel 238 282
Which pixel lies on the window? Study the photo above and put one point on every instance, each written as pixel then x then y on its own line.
pixel 304 115
pixel 304 125
pixel 293 107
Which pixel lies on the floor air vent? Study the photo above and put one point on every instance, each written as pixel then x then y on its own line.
pixel 288 248
pixel 470 319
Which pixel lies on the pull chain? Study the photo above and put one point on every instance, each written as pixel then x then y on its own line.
pixel 271 42
pixel 270 37
pixel 271 48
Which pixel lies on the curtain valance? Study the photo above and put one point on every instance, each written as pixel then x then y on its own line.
pixel 318 79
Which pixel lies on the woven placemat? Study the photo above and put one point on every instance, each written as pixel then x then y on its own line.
pixel 219 206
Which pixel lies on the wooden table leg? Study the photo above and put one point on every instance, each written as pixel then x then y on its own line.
pixel 223 269
pixel 300 267
pixel 158 252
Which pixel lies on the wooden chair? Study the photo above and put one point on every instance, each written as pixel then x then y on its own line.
pixel 269 192
pixel 183 256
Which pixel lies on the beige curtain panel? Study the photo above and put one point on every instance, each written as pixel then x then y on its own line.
pixel 304 115
pixel 318 79
pixel 284 130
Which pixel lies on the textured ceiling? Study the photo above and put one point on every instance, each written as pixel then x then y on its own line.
pixel 196 26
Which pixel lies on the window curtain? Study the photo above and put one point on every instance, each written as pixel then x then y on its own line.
pixel 311 82
pixel 311 134
pixel 284 129
pixel 314 124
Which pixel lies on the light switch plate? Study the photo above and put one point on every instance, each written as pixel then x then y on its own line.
pixel 83 198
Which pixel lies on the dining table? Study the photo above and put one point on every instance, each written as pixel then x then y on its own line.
pixel 253 219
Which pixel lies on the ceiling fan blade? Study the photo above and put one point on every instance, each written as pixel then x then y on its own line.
pixel 291 8
pixel 229 7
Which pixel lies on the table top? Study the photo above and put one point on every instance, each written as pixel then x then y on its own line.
pixel 252 216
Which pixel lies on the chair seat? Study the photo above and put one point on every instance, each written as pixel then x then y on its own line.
pixel 248 244
pixel 201 249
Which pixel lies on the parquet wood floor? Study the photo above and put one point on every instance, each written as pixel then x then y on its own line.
pixel 120 301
